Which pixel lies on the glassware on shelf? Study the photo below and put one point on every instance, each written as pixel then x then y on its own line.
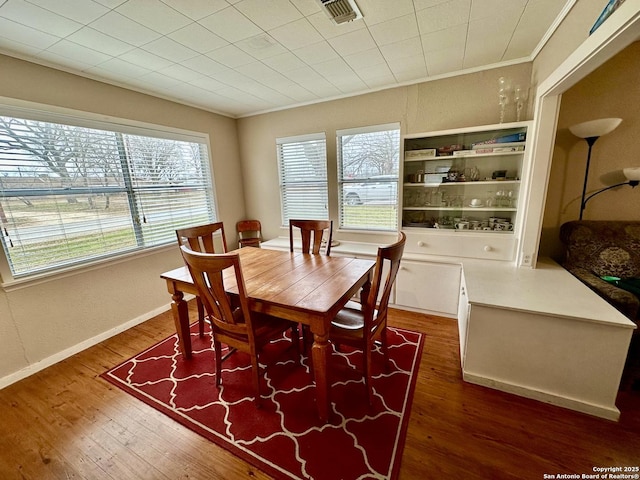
pixel 504 90
pixel 520 96
pixel 490 201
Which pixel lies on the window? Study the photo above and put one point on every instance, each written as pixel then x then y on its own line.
pixel 368 165
pixel 71 193
pixel 303 177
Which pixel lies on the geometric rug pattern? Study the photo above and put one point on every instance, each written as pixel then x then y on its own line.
pixel 284 437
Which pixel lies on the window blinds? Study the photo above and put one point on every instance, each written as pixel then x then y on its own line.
pixel 303 177
pixel 71 194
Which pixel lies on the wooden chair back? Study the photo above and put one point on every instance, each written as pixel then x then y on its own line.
pixel 377 302
pixel 201 237
pixel 226 320
pixel 311 232
pixel 249 233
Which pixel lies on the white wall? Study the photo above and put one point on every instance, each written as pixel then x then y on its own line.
pixel 43 322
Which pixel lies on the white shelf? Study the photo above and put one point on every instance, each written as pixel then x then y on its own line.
pixel 465 155
pixel 464 209
pixel 449 184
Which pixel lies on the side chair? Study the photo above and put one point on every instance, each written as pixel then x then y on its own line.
pixel 360 325
pixel 249 233
pixel 202 239
pixel 311 232
pixel 233 324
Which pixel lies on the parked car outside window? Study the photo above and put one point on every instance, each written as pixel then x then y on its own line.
pixel 381 189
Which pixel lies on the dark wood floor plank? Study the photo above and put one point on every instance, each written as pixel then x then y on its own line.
pixel 67 422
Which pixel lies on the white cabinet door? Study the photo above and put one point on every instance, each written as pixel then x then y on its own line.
pixel 463 319
pixel 432 287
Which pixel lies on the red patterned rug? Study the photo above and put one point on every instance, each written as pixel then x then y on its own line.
pixel 285 437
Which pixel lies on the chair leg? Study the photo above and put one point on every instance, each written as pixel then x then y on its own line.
pixel 217 347
pixel 200 316
pixel 385 349
pixel 256 380
pixel 367 372
pixel 295 338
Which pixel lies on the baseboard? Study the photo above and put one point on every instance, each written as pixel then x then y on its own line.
pixel 609 413
pixel 90 342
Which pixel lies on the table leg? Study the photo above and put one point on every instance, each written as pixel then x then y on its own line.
pixel 180 311
pixel 320 353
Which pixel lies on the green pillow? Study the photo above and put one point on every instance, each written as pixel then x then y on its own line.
pixel 629 284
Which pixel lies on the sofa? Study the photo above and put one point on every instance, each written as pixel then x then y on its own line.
pixel 605 248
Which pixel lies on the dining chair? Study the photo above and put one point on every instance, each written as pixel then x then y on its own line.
pixel 201 238
pixel 249 233
pixel 311 232
pixel 233 323
pixel 360 325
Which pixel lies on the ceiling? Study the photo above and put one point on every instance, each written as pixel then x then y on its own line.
pixel 241 57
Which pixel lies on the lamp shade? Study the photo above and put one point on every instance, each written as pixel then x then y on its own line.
pixel 595 128
pixel 632 173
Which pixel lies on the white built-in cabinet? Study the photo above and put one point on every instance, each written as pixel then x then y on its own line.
pixel 460 199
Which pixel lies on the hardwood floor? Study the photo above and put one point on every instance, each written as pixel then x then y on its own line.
pixel 65 422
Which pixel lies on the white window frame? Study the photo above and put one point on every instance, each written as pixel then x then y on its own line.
pixel 314 206
pixel 45 113
pixel 364 181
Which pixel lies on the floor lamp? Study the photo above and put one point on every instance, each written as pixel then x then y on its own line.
pixel 591 131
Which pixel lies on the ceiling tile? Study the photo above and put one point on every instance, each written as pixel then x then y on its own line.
pixel 65 63
pixel 231 25
pixel 99 41
pixel 399 28
pixel 83 11
pixel 166 48
pixel 376 11
pixel 445 39
pixel 123 28
pixel 306 7
pixel 180 72
pixel 198 38
pixel 111 3
pixel 296 34
pixel 25 35
pixel 33 16
pixel 230 56
pixel 155 79
pixel 197 9
pixel 410 48
pixel 154 14
pixel 145 59
pixel 205 65
pixel 316 53
pixel 408 68
pixel 495 8
pixel 118 66
pixel 352 42
pixel 261 46
pixel 284 62
pixel 365 59
pixel 375 71
pixel 207 83
pixel 443 15
pixel 80 53
pixel 445 60
pixel 269 15
pixel 422 4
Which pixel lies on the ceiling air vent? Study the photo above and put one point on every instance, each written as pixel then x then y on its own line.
pixel 341 11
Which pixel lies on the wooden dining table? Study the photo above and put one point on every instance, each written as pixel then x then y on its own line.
pixel 304 288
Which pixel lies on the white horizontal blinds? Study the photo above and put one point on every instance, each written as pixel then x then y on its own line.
pixel 170 185
pixel 303 177
pixel 68 194
pixel 368 166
